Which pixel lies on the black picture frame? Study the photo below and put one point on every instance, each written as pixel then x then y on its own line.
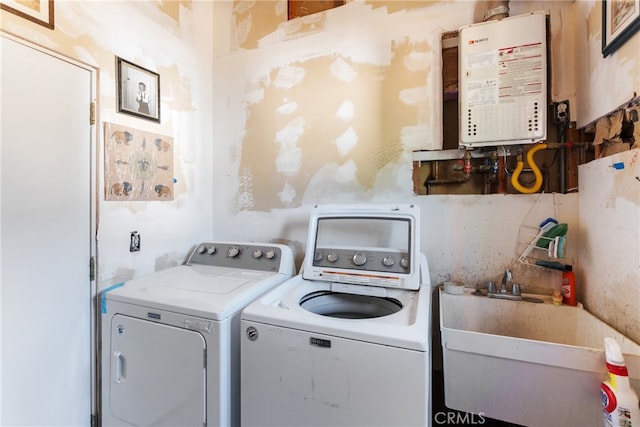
pixel 138 90
pixel 620 21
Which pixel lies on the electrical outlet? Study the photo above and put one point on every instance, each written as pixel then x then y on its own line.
pixel 134 242
pixel 561 111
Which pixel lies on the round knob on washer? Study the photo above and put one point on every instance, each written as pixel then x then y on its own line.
pixel 332 257
pixel 233 252
pixel 317 256
pixel 270 254
pixel 404 262
pixel 257 254
pixel 202 249
pixel 359 258
pixel 388 261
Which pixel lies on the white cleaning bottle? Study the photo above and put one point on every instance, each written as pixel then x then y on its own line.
pixel 620 404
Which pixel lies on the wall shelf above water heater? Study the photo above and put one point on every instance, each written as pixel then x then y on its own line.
pixel 503 81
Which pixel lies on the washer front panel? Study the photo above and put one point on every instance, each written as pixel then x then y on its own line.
pixel 293 377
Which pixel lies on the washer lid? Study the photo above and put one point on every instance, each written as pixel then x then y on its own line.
pixel 212 292
pixel 373 245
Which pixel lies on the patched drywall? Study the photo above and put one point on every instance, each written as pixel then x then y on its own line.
pixel 329 106
pixel 329 110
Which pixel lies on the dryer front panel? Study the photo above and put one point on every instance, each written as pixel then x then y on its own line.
pixel 157 375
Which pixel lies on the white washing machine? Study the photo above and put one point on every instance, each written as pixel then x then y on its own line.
pixel 170 340
pixel 347 341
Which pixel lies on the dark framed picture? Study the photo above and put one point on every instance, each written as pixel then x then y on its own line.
pixel 40 12
pixel 620 21
pixel 138 91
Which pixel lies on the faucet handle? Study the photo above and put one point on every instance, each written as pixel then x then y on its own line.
pixel 491 287
pixel 515 289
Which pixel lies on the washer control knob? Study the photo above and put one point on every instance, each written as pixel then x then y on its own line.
pixel 270 254
pixel 211 250
pixel 388 261
pixel 233 252
pixel 359 258
pixel 332 257
pixel 202 249
pixel 404 262
pixel 317 256
pixel 257 254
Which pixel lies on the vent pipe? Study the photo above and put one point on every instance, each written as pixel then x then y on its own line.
pixel 497 10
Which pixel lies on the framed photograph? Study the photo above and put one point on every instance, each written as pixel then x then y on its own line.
pixel 620 21
pixel 38 11
pixel 138 91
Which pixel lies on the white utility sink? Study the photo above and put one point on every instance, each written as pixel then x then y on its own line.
pixel 535 364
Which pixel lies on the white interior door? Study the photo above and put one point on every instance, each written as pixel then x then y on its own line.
pixel 45 233
pixel 158 374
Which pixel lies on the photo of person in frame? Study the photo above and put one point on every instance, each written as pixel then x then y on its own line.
pixel 142 98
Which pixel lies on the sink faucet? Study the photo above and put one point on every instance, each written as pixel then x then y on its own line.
pixel 506 277
pixel 515 293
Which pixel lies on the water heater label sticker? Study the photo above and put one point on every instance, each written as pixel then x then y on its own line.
pixel 521 71
pixel 482 92
pixel 486 59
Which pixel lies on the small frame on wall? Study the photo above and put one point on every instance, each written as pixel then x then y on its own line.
pixel 620 21
pixel 138 91
pixel 38 11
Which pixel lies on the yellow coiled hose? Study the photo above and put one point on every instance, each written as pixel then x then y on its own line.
pixel 534 168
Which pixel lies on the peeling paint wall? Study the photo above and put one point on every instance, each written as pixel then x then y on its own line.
pixel 172 38
pixel 610 213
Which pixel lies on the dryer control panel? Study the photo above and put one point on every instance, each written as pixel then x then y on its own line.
pixel 247 256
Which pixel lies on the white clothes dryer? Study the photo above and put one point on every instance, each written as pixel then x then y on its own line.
pixel 170 340
pixel 347 341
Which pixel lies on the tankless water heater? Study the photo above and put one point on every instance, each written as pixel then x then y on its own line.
pixel 503 81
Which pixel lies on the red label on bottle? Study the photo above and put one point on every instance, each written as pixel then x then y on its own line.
pixel 619 370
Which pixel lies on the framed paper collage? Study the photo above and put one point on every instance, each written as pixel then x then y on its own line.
pixel 138 165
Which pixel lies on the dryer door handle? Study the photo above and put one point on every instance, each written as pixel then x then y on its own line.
pixel 120 368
